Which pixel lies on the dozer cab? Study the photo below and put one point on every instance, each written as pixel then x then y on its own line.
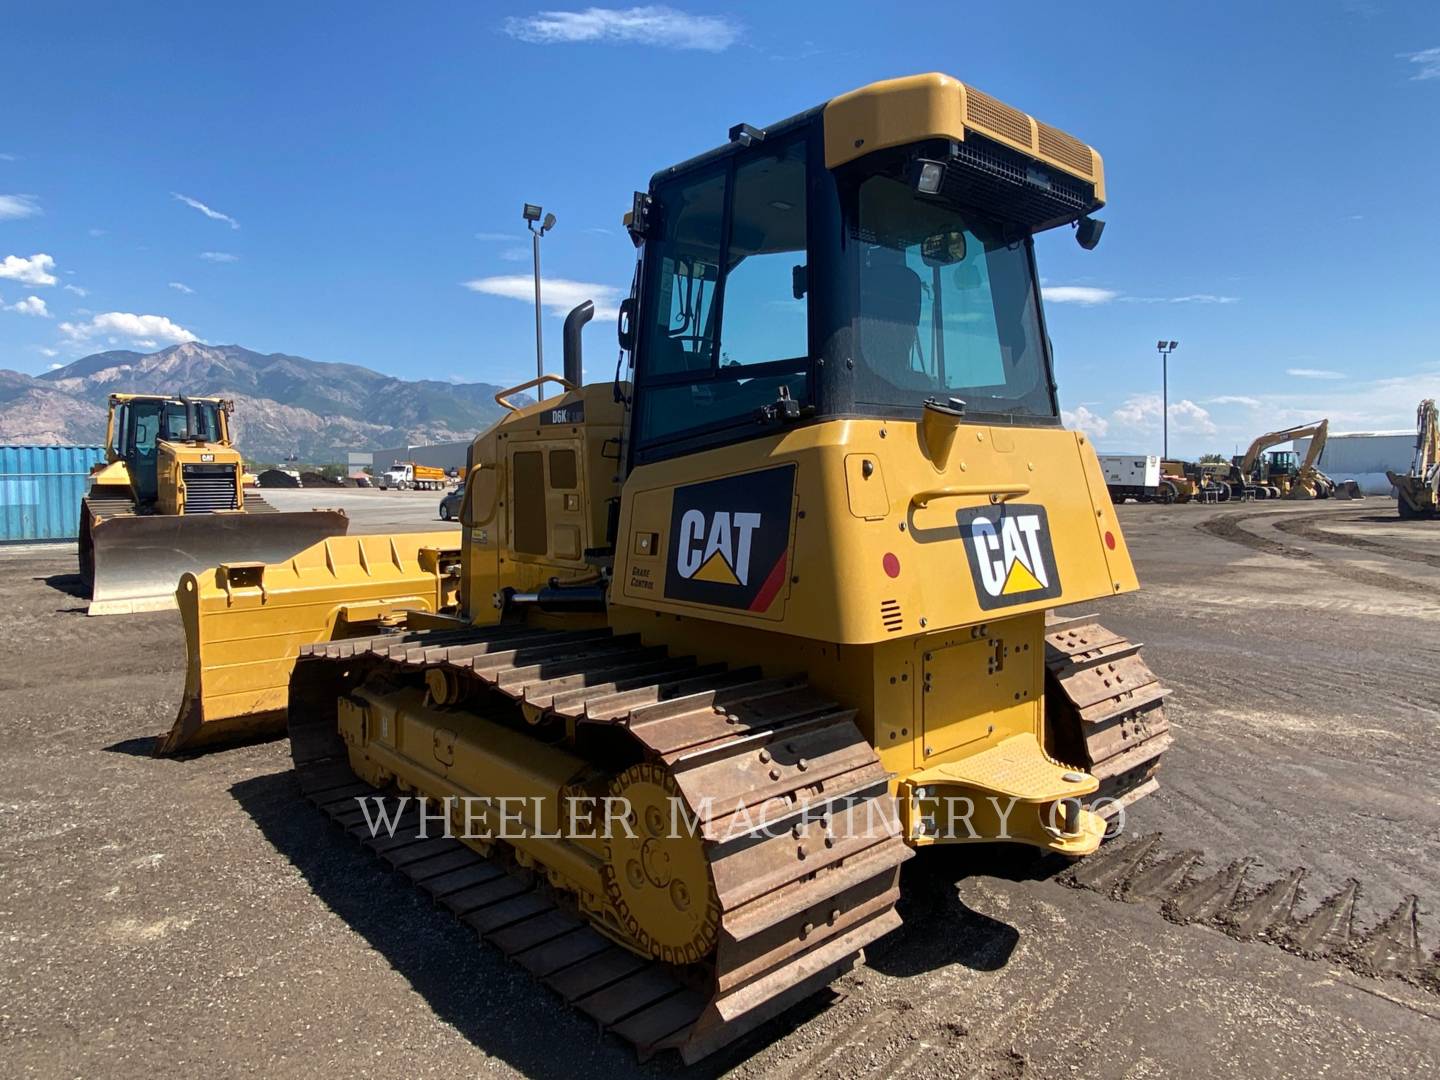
pixel 170 498
pixel 1418 491
pixel 774 608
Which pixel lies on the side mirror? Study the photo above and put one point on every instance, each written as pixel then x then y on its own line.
pixel 625 324
pixel 799 281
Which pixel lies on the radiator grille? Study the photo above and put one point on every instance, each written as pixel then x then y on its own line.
pixel 208 491
pixel 891 615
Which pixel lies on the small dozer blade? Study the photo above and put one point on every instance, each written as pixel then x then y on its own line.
pixel 246 622
pixel 138 560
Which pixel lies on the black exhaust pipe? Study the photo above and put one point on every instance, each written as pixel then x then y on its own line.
pixel 574 325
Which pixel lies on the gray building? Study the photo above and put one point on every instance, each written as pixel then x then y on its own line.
pixel 445 456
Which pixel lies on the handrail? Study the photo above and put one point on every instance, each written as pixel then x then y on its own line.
pixel 501 398
pixel 996 492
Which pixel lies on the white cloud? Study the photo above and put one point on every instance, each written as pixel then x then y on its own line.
pixel 1077 294
pixel 146 330
pixel 516 254
pixel 651 25
pixel 1234 399
pixel 97 232
pixel 558 295
pixel 1083 419
pixel 214 215
pixel 496 235
pixel 1189 298
pixel 1427 63
pixel 32 271
pixel 1314 373
pixel 8 157
pixel 18 206
pixel 180 286
pixel 1089 295
pixel 219 256
pixel 31 305
pixel 1142 412
pixel 44 351
pixel 76 289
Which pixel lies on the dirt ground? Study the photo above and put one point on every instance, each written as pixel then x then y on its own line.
pixel 163 917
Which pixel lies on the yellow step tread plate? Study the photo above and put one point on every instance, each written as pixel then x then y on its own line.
pixel 1016 766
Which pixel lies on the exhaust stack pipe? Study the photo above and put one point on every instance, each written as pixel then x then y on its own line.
pixel 574 325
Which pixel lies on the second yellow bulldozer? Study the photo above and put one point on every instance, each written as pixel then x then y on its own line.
pixel 171 498
pixel 779 602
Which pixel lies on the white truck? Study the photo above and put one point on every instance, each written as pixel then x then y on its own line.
pixel 1132 476
pixel 408 476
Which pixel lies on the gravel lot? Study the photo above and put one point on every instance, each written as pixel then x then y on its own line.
pixel 168 917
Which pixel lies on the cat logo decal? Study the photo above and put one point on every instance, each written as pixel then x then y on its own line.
pixel 1010 555
pixel 730 540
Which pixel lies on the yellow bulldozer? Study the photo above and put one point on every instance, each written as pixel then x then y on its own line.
pixel 723 643
pixel 1418 491
pixel 170 498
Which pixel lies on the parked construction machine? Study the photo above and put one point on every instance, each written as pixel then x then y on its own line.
pixel 1418 491
pixel 169 498
pixel 790 578
pixel 1280 474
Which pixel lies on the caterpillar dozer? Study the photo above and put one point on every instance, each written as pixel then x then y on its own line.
pixel 170 498
pixel 1418 491
pixel 778 601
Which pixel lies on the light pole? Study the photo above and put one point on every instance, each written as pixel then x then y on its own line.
pixel 532 215
pixel 1165 348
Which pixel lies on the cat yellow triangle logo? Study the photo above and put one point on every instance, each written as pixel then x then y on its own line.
pixel 1019 580
pixel 716 569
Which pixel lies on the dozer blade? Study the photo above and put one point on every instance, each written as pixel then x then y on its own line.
pixel 245 623
pixel 139 560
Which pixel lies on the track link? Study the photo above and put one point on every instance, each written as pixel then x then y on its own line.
pixel 1104 710
pixel 798 899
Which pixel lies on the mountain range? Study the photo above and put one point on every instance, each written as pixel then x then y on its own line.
pixel 283 404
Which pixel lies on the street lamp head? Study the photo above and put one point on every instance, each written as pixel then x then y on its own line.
pixel 1174 345
pixel 1160 345
pixel 532 212
pixel 548 224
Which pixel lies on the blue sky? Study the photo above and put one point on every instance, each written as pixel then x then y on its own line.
pixel 324 179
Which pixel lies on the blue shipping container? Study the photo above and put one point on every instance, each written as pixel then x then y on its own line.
pixel 41 488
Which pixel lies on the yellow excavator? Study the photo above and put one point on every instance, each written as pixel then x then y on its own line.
pixel 169 498
pixel 721 644
pixel 1281 474
pixel 1418 491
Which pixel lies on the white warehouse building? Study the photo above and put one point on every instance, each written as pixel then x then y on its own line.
pixel 1365 457
pixel 445 456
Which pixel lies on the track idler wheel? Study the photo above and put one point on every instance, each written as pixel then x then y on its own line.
pixel 658 879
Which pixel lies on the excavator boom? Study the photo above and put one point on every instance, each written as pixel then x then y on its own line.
pixel 1418 492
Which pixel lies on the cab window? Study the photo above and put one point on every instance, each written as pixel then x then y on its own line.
pixel 730 330
pixel 145 421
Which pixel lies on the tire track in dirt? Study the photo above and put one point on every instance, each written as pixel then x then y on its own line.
pixel 1230 899
pixel 1229 528
pixel 1306 527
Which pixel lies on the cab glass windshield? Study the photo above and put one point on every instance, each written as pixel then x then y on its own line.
pixel 947 307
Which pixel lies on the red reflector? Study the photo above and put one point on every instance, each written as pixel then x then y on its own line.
pixel 891 564
pixel 1109 539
